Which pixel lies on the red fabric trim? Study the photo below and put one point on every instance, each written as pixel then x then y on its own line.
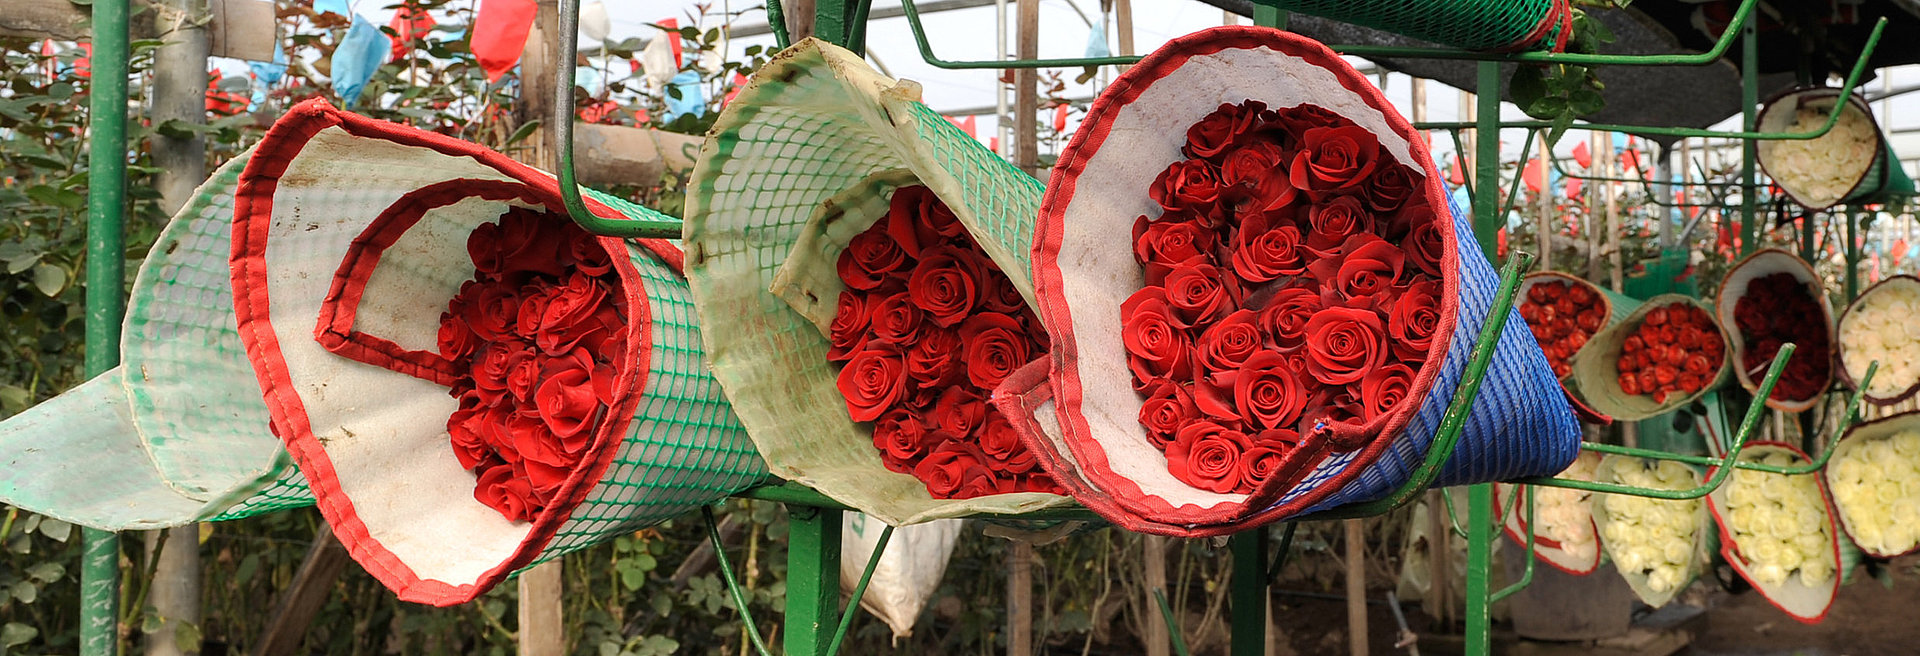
pixel 1057 316
pixel 1730 553
pixel 253 213
pixel 342 306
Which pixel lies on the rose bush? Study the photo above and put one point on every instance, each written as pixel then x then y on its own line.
pixel 1274 301
pixel 530 337
pixel 928 326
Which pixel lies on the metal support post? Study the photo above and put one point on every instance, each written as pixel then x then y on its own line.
pixel 813 579
pixel 1487 220
pixel 1249 592
pixel 106 297
pixel 1479 568
pixel 1749 150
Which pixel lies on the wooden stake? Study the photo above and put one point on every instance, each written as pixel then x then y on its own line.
pixel 1543 224
pixel 1356 587
pixel 1019 599
pixel 1026 91
pixel 301 601
pixel 1591 227
pixel 1153 554
pixel 1436 600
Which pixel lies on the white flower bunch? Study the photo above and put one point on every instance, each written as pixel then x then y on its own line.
pixel 1564 515
pixel 1821 171
pixel 1779 522
pixel 1882 327
pixel 1654 537
pixel 1876 487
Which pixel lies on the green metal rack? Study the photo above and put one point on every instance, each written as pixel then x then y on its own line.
pixel 815 622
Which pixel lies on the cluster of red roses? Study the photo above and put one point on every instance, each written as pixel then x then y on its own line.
pixel 1562 316
pixel 533 335
pixel 1676 348
pixel 1777 309
pixel 1293 277
pixel 927 328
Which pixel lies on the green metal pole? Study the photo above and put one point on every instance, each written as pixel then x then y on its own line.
pixel 1852 252
pixel 1479 568
pixel 106 301
pixel 1486 161
pixel 813 579
pixel 1749 121
pixel 1249 583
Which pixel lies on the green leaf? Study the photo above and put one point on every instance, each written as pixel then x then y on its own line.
pixel 247 568
pixel 24 591
pixel 150 621
pixel 15 634
pixel 21 262
pixel 1585 100
pixel 186 636
pixel 46 572
pixel 1528 86
pixel 56 529
pixel 49 279
pixel 525 130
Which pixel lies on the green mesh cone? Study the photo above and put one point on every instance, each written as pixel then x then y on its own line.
pixel 1469 24
pixel 817 138
pixel 351 238
pixel 177 433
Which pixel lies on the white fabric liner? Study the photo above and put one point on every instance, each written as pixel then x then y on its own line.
pixel 368 418
pixel 1096 256
pixel 429 261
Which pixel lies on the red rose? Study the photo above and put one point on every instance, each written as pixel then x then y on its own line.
pixel 1207 456
pixel 568 317
pixel 1343 344
pixel 999 294
pixel 491 310
pixel 872 382
pixel 1217 132
pixel 464 430
pixel 957 412
pixel 1157 343
pixel 1425 248
pixel 952 466
pixel 501 490
pixel 995 346
pixel 1225 345
pixel 1369 266
pixel 1334 158
pixel 901 438
pixel 1264 249
pixel 1187 185
pixel 545 479
pixel 1267 392
pixel 1253 178
pixel 1171 241
pixel 895 321
pixel 1257 465
pixel 490 369
pixel 848 332
pixel 943 284
pixel 523 374
pixel 590 255
pixel 1002 445
pixel 1213 395
pixel 1384 388
pixel 869 259
pixel 932 361
pixel 567 401
pixel 917 219
pixel 519 241
pixel 1338 404
pixel 535 441
pixel 1392 184
pixel 1414 320
pixel 1198 293
pixel 534 299
pixel 1334 222
pixel 1168 407
pixel 1287 314
pixel 1297 120
pixel 456 340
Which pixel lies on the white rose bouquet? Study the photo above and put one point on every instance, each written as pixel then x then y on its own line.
pixel 1880 325
pixel 1875 478
pixel 1777 533
pixel 1564 532
pixel 1651 541
pixel 1822 171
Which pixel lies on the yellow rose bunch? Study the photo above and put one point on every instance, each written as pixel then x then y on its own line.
pixel 1654 537
pixel 1778 522
pixel 1876 487
pixel 1564 515
pixel 1821 171
pixel 1882 328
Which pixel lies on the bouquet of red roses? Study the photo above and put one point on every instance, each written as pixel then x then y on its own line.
pixel 1773 298
pixel 926 329
pixel 1563 312
pixel 1665 354
pixel 487 386
pixel 1291 304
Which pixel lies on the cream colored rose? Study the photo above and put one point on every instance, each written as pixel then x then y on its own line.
pixel 1873 485
pixel 1651 537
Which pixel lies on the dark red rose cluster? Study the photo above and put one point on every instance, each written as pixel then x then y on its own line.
pixel 533 333
pixel 1293 277
pixel 1562 316
pixel 927 328
pixel 1777 309
pixel 1675 349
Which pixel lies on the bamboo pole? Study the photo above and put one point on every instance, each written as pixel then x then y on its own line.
pixel 1153 552
pixel 1356 548
pixel 1543 224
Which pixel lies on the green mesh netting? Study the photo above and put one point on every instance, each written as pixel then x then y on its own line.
pixel 812 124
pixel 1469 24
pixel 187 438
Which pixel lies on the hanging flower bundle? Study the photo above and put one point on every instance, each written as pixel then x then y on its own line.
pixel 1872 475
pixel 1563 315
pixel 1677 349
pixel 1776 531
pixel 927 327
pixel 532 336
pixel 1564 532
pixel 1290 283
pixel 1652 541
pixel 1880 326
pixel 1777 309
